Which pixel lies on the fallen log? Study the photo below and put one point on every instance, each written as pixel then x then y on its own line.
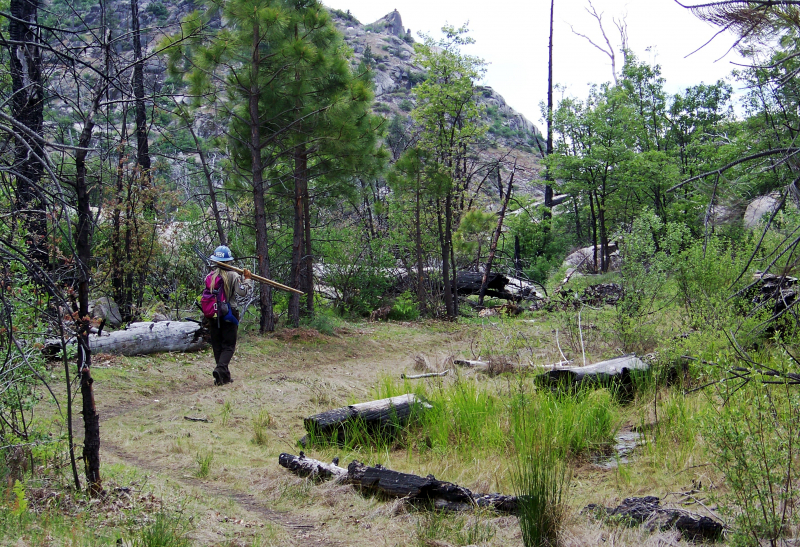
pixel 614 370
pixel 192 419
pixel 648 511
pixel 416 489
pixel 384 416
pixel 500 366
pixel 309 467
pixel 426 375
pixel 141 339
pixel 469 283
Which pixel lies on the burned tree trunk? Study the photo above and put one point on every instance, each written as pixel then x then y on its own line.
pixel 383 415
pixel 648 511
pixel 308 467
pixel 497 233
pixel 142 146
pixel 27 109
pixel 416 489
pixel 619 370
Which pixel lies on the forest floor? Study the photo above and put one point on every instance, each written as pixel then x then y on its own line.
pixel 221 480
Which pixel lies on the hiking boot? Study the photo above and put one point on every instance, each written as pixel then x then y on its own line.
pixel 217 378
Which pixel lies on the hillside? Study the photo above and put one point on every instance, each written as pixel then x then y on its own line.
pixel 389 47
pixel 386 44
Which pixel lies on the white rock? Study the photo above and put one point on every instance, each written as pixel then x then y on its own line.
pixel 764 205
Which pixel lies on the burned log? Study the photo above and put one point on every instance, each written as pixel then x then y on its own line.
pixel 619 370
pixel 648 511
pixel 381 416
pixel 141 339
pixel 426 375
pixel 394 484
pixel 309 467
pixel 469 283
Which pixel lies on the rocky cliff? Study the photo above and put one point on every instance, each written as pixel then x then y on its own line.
pixel 390 46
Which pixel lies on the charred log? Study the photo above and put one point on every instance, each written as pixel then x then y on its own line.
pixel 394 484
pixel 382 416
pixel 619 371
pixel 648 511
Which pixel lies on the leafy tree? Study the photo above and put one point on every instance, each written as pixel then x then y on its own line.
pixel 449 117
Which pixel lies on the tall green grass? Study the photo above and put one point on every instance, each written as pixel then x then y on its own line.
pixel 541 474
pixel 469 416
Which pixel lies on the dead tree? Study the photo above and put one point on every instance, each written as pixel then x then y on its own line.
pixel 622 27
pixel 496 237
pixel 27 107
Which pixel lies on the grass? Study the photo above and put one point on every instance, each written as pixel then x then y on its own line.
pixel 468 437
pixel 204 461
pixel 165 530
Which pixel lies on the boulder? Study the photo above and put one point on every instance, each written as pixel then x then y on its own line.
pixel 756 209
pixel 383 83
pixel 105 308
pixel 582 260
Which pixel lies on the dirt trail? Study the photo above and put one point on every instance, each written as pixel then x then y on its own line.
pixel 290 382
pixel 303 529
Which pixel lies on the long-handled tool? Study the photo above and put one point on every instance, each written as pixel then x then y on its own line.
pixel 258 278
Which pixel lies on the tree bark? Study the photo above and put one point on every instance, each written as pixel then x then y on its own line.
pixel 418 245
pixel 448 286
pixel 257 170
pixel 309 258
pixel 27 106
pixel 298 230
pixel 142 146
pixel 496 237
pixel 91 449
pixel 548 189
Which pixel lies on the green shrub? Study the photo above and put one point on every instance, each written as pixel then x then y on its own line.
pixel 754 441
pixel 649 253
pixel 404 308
pixel 323 324
pixel 157 9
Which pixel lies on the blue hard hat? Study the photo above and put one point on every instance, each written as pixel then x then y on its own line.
pixel 222 254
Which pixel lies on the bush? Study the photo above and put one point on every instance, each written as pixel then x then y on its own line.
pixel 157 9
pixel 649 254
pixel 754 440
pixel 404 308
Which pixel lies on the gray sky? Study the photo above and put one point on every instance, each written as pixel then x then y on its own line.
pixel 512 36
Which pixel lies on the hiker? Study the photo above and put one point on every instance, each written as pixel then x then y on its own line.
pixel 224 286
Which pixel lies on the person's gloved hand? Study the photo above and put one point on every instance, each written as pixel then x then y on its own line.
pixel 247 274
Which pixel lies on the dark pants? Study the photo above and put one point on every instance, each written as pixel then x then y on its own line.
pixel 223 341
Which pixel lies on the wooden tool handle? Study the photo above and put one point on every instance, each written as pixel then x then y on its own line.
pixel 263 280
